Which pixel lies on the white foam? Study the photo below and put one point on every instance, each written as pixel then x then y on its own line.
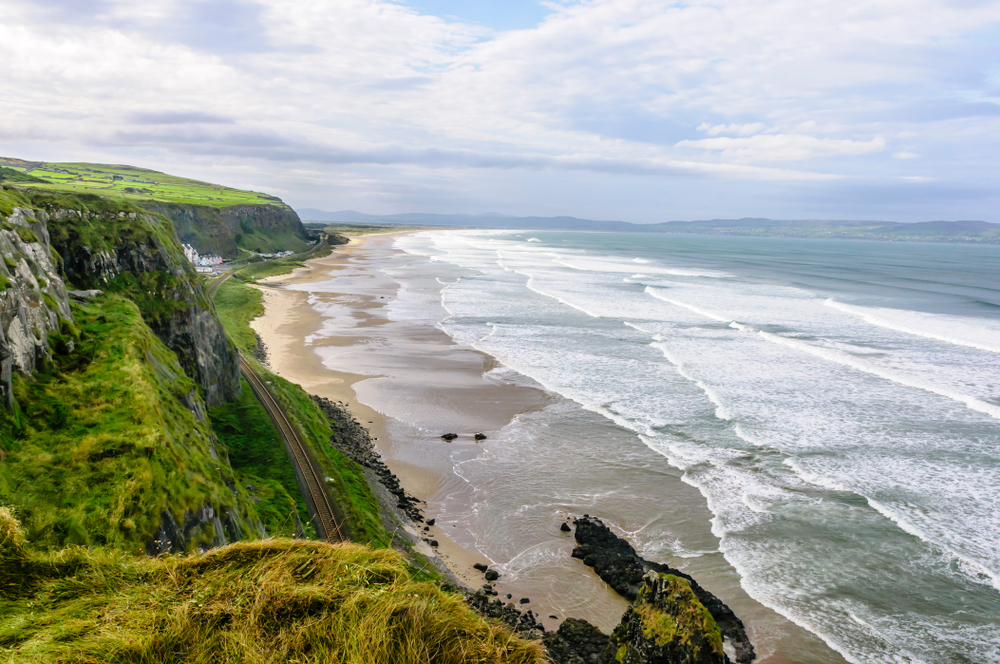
pixel 974 568
pixel 851 361
pixel 690 307
pixel 939 328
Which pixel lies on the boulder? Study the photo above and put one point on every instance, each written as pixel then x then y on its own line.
pixel 576 642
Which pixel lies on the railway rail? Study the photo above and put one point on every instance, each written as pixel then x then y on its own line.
pixel 310 479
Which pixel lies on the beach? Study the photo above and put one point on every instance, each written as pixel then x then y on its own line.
pixel 330 327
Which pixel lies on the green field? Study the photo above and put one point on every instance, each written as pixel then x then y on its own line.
pixel 129 182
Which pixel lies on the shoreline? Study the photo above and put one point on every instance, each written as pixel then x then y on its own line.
pixel 313 335
pixel 287 313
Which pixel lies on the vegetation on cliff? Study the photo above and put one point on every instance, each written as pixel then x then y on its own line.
pixel 213 218
pixel 258 455
pixel 110 435
pixel 128 183
pixel 237 304
pixel 258 603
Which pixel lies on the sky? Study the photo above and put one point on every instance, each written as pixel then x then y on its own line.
pixel 638 110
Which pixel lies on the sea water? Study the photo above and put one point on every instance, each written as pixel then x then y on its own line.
pixel 836 403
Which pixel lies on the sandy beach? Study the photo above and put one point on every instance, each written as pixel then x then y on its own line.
pixel 476 405
pixel 329 327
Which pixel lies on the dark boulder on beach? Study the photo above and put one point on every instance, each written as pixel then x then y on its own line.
pixel 481 567
pixel 352 439
pixel 576 642
pixel 565 527
pixel 430 522
pixel 617 563
pixel 525 624
pixel 492 575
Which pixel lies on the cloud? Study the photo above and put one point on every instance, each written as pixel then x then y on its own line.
pixel 176 117
pixel 738 129
pixel 785 147
pixel 721 91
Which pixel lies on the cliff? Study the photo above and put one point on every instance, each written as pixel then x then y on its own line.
pixel 33 300
pixel 104 437
pixel 120 248
pixel 224 230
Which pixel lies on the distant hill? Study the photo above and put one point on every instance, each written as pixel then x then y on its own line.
pixel 489 220
pixel 979 232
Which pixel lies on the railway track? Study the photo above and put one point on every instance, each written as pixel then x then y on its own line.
pixel 310 479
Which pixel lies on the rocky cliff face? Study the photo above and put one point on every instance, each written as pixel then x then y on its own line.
pixel 144 460
pixel 223 230
pixel 132 252
pixel 33 300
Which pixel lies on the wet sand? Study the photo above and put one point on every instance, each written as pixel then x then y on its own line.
pixel 409 383
pixel 289 318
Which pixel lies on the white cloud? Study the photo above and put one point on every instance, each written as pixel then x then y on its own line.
pixel 738 129
pixel 785 147
pixel 776 91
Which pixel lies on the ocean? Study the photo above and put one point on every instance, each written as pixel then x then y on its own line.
pixel 836 405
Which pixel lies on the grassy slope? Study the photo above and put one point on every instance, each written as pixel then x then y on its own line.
pixel 277 267
pixel 256 603
pixel 237 304
pixel 101 442
pixel 258 455
pixel 99 179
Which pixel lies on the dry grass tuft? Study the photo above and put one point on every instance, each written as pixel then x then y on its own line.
pixel 259 602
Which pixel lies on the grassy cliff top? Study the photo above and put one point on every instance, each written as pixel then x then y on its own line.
pixel 116 181
pixel 267 602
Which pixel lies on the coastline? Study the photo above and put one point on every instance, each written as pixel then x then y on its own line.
pixel 287 316
pixel 285 327
pixel 396 364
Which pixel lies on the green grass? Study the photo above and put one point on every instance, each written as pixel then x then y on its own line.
pixel 349 489
pixel 258 455
pixel 137 184
pixel 236 305
pixel 100 441
pixel 277 267
pixel 265 602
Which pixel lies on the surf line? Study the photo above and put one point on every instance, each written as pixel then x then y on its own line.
pixel 841 358
pixel 872 319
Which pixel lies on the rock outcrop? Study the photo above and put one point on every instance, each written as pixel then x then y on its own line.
pixel 577 642
pixel 666 625
pixel 33 298
pixel 525 624
pixel 119 248
pixel 617 563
